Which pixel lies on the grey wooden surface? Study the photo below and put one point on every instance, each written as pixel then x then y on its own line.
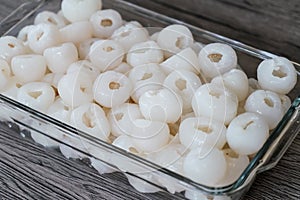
pixel 28 171
pixel 267 24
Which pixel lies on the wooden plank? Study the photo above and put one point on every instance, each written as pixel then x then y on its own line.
pixel 29 171
pixel 269 25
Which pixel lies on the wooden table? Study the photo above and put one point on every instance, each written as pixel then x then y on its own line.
pixel 28 171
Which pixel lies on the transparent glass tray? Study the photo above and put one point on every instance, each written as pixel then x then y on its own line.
pixel 64 135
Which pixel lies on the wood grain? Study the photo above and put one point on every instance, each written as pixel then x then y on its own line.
pixel 28 171
pixel 269 25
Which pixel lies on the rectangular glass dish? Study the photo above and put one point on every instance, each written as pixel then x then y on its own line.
pixel 40 124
